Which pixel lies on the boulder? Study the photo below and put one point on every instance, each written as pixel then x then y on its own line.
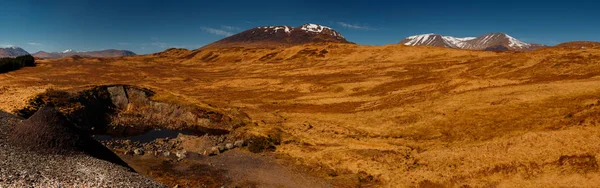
pixel 118 96
pixel 138 151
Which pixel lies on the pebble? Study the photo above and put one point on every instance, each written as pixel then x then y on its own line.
pixel 214 151
pixel 239 143
pixel 139 151
pixel 181 154
pixel 128 152
pixel 221 147
pixel 229 146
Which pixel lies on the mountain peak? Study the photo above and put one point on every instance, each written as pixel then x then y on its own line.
pixel 67 51
pixel 421 35
pixel 316 28
pixel 313 27
pixel 12 51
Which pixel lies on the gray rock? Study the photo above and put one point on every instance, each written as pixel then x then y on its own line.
pixel 221 147
pixel 229 146
pixel 181 154
pixel 118 96
pixel 239 143
pixel 214 151
pixel 137 97
pixel 138 151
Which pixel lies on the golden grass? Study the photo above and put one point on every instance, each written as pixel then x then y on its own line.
pixel 409 116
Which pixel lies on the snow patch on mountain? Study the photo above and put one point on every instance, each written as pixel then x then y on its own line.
pixel 276 29
pixel 516 43
pixel 314 28
pixel 456 41
pixel 419 39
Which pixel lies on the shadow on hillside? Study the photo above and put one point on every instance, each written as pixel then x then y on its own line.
pixel 48 131
pixel 5 128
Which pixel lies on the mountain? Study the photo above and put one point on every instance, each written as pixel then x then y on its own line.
pixel 67 53
pixel 12 52
pixel 275 36
pixel 491 41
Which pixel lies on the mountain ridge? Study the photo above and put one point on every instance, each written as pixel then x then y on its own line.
pixel 12 51
pixel 491 41
pixel 98 54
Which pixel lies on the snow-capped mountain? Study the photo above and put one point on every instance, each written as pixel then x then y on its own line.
pixel 274 36
pixel 491 41
pixel 69 52
pixel 12 52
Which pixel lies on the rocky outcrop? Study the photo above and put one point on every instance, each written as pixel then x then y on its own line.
pixel 134 108
pixel 122 110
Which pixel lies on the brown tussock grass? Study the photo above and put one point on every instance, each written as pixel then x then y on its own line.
pixel 404 116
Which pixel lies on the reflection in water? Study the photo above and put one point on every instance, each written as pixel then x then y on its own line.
pixel 146 137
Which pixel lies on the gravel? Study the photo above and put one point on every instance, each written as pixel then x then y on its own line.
pixel 22 168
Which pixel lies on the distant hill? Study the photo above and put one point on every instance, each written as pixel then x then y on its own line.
pixel 67 53
pixel 277 36
pixel 12 52
pixel 491 42
pixel 580 45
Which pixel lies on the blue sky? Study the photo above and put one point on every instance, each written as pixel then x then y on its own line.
pixel 153 25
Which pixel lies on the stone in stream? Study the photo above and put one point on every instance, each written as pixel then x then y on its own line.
pixel 239 143
pixel 229 146
pixel 181 154
pixel 214 151
pixel 139 151
pixel 128 152
pixel 221 147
